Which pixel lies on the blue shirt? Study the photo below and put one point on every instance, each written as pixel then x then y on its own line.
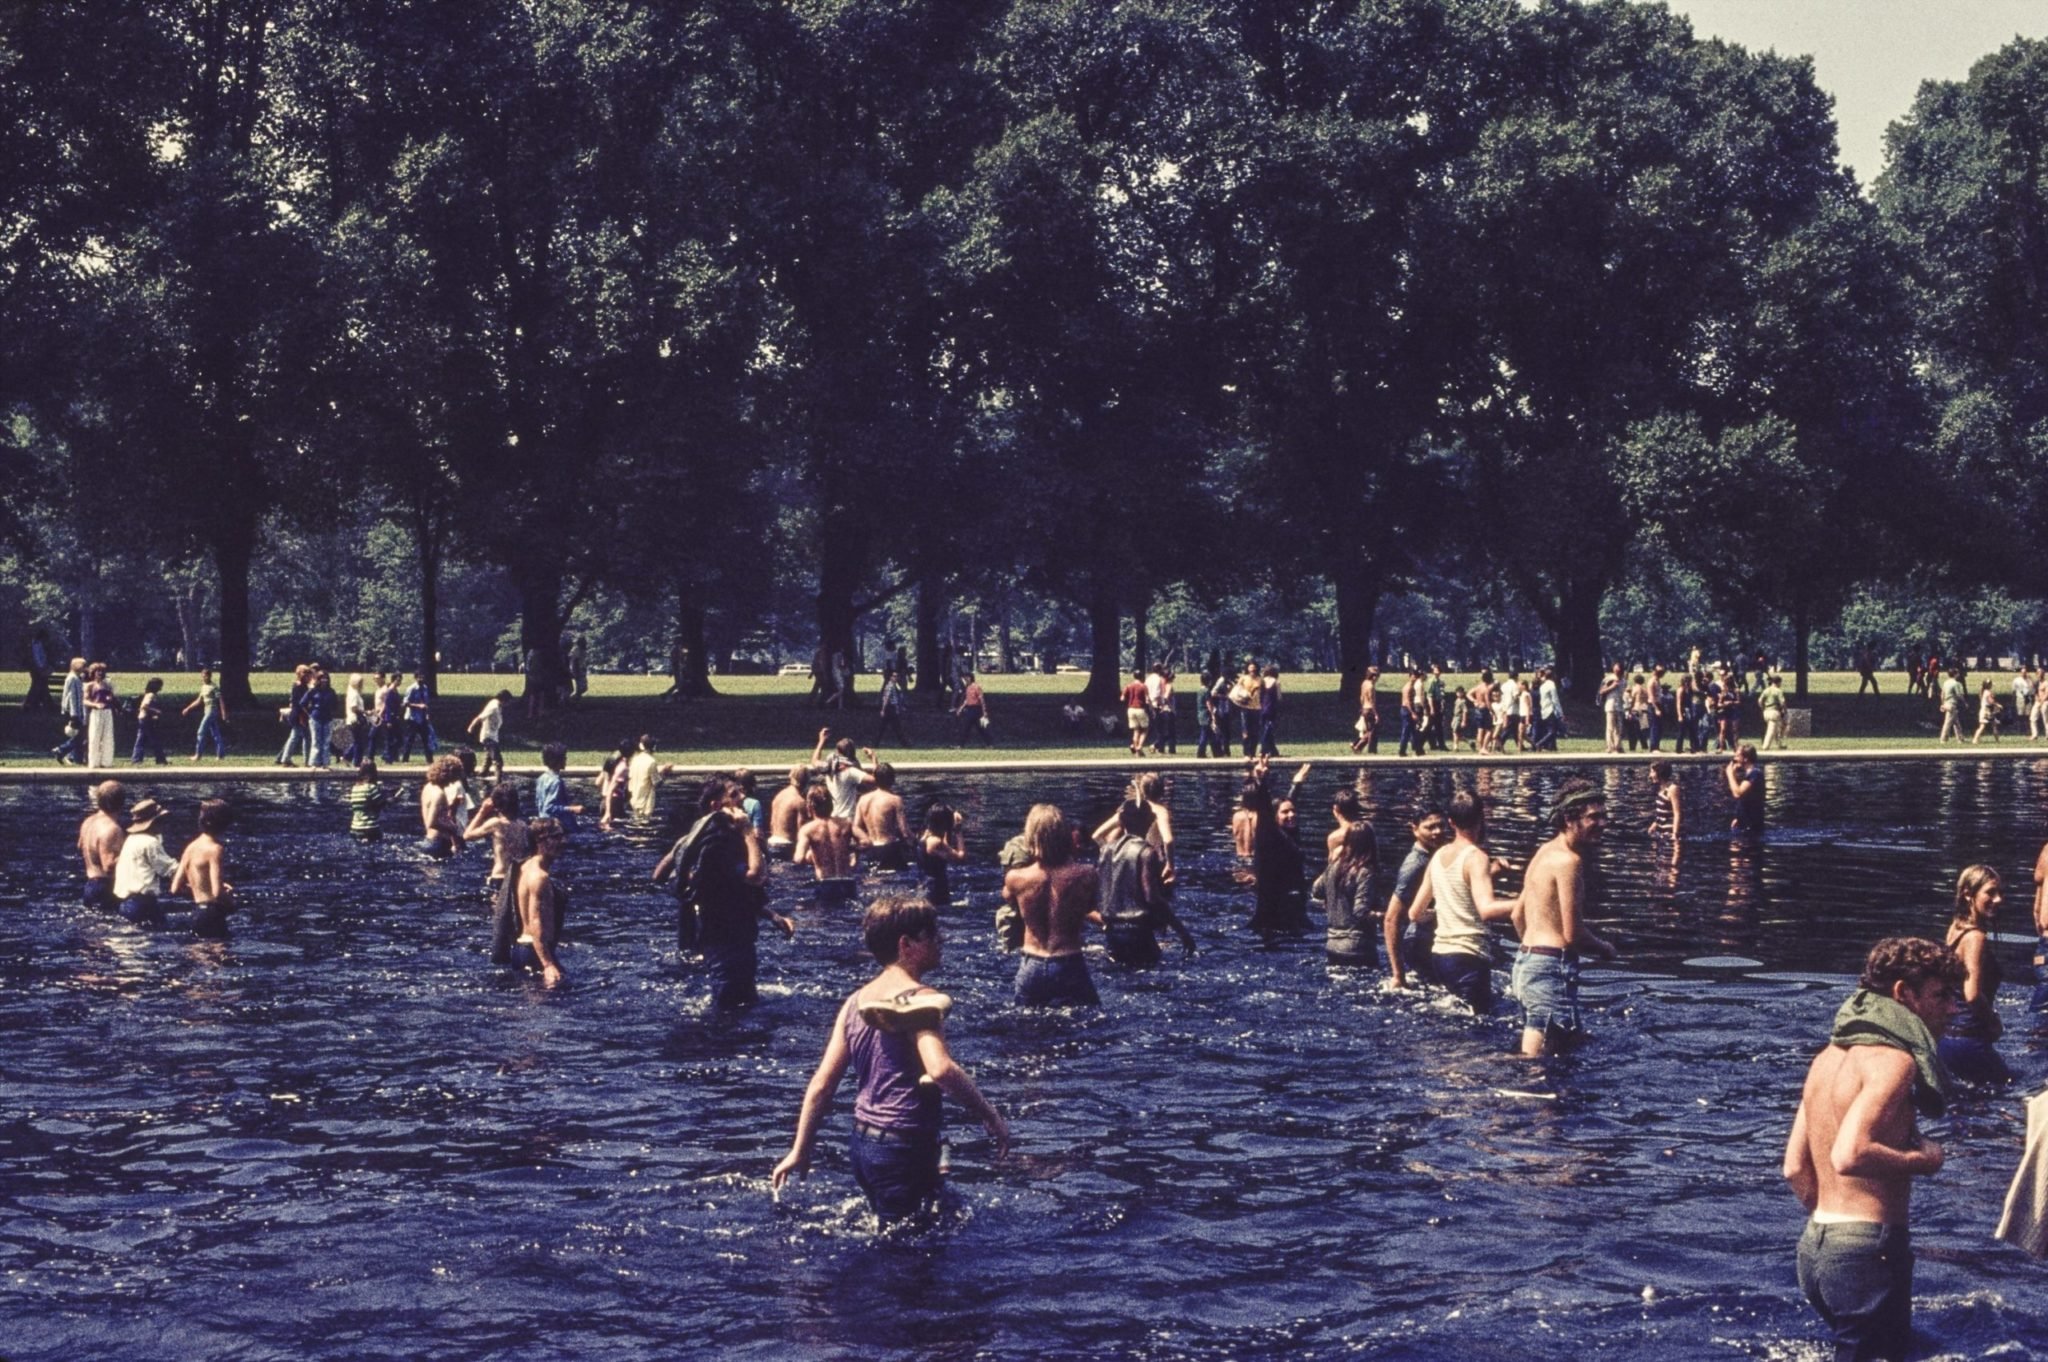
pixel 547 800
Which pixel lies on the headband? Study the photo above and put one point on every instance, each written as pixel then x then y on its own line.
pixel 1562 811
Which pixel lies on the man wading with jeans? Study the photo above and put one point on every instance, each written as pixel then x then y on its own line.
pixel 1457 895
pixel 1855 1147
pixel 1557 895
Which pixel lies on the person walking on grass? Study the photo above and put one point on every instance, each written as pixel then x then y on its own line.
pixel 1988 713
pixel 419 719
pixel 213 717
pixel 99 717
pixel 973 712
pixel 1772 702
pixel 1951 696
pixel 1137 717
pixel 489 727
pixel 149 724
pixel 323 708
pixel 297 736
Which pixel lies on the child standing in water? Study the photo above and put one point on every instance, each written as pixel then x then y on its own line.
pixel 366 800
pixel 202 872
pixel 1667 814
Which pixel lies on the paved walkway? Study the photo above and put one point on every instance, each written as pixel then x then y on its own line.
pixel 209 772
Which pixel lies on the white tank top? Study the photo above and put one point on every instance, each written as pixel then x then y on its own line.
pixel 1458 928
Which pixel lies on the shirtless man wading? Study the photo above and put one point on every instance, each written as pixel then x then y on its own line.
pixel 440 827
pixel 1557 895
pixel 1054 896
pixel 786 814
pixel 99 842
pixel 826 845
pixel 880 826
pixel 1856 1148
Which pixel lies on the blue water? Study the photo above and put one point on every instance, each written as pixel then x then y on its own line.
pixel 343 1135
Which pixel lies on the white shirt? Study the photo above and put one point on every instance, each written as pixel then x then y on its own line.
pixel 1551 708
pixel 1154 685
pixel 493 720
pixel 1510 692
pixel 142 867
pixel 352 706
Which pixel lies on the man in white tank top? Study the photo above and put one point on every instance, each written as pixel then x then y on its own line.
pixel 1458 895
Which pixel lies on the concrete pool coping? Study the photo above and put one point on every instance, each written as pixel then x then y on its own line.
pixel 771 774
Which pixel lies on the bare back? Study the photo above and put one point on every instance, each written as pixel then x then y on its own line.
pixel 1055 905
pixel 1867 1084
pixel 879 818
pixel 827 844
pixel 199 871
pixel 1553 897
pixel 99 844
pixel 786 814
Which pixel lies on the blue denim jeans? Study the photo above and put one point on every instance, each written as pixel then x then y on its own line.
pixel 1547 986
pixel 733 969
pixel 323 742
pixel 209 729
pixel 295 739
pixel 149 741
pixel 1055 981
pixel 1465 976
pixel 897 1170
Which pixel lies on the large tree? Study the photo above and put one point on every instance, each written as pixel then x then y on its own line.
pixel 1617 208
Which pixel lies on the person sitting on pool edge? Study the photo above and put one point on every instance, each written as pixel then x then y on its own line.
pixel 1855 1147
pixel 1054 898
pixel 902 1067
pixel 99 842
pixel 1557 897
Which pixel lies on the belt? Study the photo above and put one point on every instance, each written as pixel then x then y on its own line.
pixel 1554 952
pixel 888 1136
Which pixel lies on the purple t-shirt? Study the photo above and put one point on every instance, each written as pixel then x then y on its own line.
pixel 887 1065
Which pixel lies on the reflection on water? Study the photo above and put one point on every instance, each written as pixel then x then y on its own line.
pixel 342 1134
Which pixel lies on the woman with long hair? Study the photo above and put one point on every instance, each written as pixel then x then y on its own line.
pixel 1968 1048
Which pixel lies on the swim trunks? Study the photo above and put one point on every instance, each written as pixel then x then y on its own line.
pixel 890 856
pixel 1055 981
pixel 781 848
pixel 210 920
pixel 1548 988
pixel 1859 1276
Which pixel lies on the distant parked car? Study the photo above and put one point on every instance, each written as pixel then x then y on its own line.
pixel 794 669
pixel 1065 668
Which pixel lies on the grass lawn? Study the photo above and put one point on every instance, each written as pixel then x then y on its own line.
pixel 767 721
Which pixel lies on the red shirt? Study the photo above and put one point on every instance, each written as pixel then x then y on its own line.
pixel 1134 695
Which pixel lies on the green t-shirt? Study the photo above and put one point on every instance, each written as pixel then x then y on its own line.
pixel 1772 698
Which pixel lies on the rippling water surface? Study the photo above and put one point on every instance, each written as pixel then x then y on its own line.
pixel 344 1135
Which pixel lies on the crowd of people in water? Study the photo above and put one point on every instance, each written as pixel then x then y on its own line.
pixel 1923 1016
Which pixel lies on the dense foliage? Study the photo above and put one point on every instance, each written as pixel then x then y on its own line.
pixel 1012 330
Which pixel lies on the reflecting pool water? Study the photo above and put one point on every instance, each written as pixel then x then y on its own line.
pixel 341 1134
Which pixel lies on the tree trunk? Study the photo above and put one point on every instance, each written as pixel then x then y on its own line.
pixel 1358 602
pixel 429 540
pixel 839 565
pixel 931 678
pixel 88 632
pixel 696 677
pixel 1578 637
pixel 540 632
pixel 1802 636
pixel 1006 660
pixel 1141 650
pixel 1105 627
pixel 187 599
pixel 234 545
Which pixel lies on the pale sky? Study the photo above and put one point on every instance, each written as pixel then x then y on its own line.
pixel 1871 55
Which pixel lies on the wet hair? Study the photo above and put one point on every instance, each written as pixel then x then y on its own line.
pixel 888 920
pixel 1660 770
pixel 1348 805
pixel 819 801
pixel 555 756
pixel 1968 885
pixel 1467 811
pixel 1912 961
pixel 711 793
pixel 1045 833
pixel 1359 850
pixel 1747 751
pixel 885 776
pixel 541 830
pixel 109 796
pixel 367 771
pixel 1135 817
pixel 505 799
pixel 216 816
pixel 939 819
